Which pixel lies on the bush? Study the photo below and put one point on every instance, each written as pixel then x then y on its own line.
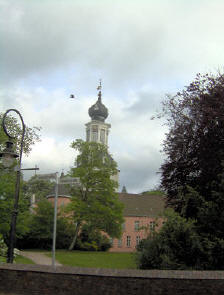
pixel 3 247
pixel 92 240
pixel 176 246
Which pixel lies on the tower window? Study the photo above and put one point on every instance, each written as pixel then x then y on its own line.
pixel 88 135
pixel 95 136
pixel 102 135
pixel 95 133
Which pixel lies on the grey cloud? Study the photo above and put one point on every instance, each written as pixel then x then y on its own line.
pixel 141 172
pixel 141 47
pixel 147 103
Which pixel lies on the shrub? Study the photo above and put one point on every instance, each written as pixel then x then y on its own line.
pixel 3 247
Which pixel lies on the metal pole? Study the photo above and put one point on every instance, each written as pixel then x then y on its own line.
pixel 10 254
pixel 55 220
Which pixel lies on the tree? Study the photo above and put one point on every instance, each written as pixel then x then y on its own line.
pixel 193 174
pixel 194 145
pixel 94 200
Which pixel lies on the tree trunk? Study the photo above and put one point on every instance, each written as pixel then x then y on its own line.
pixel 72 245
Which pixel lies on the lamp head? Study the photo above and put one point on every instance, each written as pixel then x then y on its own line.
pixel 8 155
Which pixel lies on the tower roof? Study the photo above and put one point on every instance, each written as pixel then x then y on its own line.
pixel 98 111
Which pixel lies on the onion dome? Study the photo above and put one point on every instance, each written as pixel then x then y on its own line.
pixel 98 111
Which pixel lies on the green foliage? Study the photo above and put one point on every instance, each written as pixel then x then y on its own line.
pixel 14 129
pixel 194 144
pixel 41 229
pixel 3 247
pixel 176 246
pixel 91 239
pixel 94 200
pixel 38 187
pixel 7 194
pixel 8 179
pixel 193 177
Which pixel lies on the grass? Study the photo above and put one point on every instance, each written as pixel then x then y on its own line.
pixel 23 260
pixel 96 259
pixel 2 259
pixel 18 259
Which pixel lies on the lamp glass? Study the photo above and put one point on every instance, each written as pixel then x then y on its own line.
pixel 7 160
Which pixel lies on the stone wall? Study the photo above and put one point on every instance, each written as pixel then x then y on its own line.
pixel 34 279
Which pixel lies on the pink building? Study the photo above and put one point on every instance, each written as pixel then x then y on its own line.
pixel 142 214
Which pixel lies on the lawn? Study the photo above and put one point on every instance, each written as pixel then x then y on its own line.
pixel 18 259
pixel 23 260
pixel 96 259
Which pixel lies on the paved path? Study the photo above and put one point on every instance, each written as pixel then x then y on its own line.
pixel 39 258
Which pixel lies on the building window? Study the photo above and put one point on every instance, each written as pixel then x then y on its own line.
pixel 137 225
pixel 138 239
pixel 102 135
pixel 123 226
pixel 120 243
pixel 111 242
pixel 128 241
pixel 152 225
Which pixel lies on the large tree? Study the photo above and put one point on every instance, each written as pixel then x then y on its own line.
pixel 193 179
pixel 194 145
pixel 94 200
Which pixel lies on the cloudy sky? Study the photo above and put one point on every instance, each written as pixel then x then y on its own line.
pixel 140 49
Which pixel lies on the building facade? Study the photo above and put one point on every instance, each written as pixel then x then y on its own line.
pixel 143 214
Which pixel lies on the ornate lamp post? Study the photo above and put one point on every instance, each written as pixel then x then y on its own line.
pixel 8 157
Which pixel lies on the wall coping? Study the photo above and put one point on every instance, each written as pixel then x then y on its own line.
pixel 103 272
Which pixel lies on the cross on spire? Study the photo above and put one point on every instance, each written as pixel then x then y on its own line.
pixel 100 85
pixel 99 88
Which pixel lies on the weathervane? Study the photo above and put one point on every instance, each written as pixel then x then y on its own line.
pixel 100 86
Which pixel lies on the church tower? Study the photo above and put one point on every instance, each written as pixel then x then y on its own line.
pixel 97 130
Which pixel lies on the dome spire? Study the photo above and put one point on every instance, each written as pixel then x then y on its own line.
pixel 98 111
pixel 99 88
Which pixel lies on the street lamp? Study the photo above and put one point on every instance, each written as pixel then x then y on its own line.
pixel 8 156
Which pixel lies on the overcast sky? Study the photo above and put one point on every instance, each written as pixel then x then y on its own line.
pixel 140 49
